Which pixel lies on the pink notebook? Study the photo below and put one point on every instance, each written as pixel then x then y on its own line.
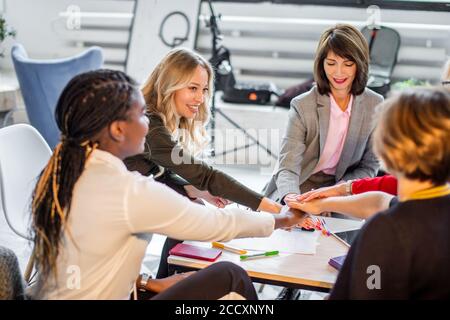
pixel 190 251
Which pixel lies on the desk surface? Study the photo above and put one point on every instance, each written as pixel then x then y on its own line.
pixel 291 270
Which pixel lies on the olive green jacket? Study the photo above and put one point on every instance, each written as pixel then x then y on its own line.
pixel 183 168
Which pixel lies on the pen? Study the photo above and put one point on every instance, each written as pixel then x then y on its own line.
pixel 262 254
pixel 322 227
pixel 325 227
pixel 228 248
pixel 317 224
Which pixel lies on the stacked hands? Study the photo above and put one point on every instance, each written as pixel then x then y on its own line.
pixel 297 204
pixel 310 202
pixel 295 213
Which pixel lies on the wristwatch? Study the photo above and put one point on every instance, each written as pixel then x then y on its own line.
pixel 143 281
pixel 348 187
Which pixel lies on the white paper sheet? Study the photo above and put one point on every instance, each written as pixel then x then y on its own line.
pixel 295 241
pixel 340 225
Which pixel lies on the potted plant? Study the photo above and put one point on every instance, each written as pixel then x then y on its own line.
pixel 410 83
pixel 5 32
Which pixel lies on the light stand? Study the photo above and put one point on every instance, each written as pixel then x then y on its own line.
pixel 217 61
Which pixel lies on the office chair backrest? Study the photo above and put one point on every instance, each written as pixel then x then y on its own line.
pixel 11 281
pixel 23 155
pixel 42 81
pixel 384 44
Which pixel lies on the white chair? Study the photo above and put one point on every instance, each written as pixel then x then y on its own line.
pixel 23 155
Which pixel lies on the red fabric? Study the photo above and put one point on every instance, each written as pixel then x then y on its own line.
pixel 386 183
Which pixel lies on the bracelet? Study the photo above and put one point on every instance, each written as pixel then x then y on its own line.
pixel 348 187
pixel 143 281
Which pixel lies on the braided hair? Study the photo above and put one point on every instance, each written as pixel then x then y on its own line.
pixel 90 102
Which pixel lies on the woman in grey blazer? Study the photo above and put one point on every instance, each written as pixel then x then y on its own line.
pixel 328 137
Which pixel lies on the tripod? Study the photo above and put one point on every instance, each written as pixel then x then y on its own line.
pixel 224 77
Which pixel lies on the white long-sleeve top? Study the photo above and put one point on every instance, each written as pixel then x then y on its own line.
pixel 112 217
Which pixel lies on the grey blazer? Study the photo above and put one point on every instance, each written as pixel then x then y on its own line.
pixel 305 137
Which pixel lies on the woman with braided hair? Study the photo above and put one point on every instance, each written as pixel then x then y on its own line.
pixel 93 219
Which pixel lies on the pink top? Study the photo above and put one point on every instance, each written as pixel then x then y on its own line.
pixel 337 131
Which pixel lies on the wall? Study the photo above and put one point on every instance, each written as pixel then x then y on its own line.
pixel 47 30
pixel 147 47
pixel 277 42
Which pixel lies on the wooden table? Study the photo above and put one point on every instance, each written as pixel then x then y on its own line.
pixel 310 272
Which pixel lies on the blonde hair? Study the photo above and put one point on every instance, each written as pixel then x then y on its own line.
pixel 174 72
pixel 413 134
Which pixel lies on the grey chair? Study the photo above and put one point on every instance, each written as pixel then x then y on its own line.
pixel 12 286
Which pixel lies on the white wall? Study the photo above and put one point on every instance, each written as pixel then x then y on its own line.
pixel 277 42
pixel 46 34
pixel 146 47
pixel 129 42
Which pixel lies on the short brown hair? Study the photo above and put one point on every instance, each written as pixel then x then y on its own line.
pixel 348 42
pixel 412 136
